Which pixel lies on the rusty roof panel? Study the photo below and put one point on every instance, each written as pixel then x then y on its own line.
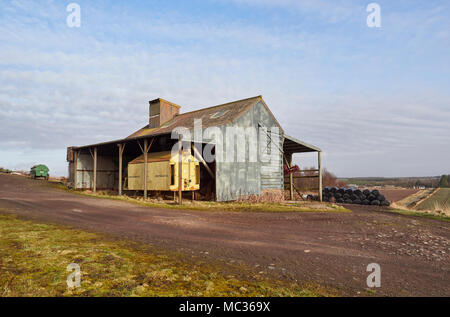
pixel 212 116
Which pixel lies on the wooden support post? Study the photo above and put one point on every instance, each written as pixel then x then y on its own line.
pixel 291 179
pixel 75 168
pixel 95 170
pixel 145 168
pixel 145 151
pixel 200 158
pixel 121 149
pixel 120 169
pixel 180 170
pixel 320 174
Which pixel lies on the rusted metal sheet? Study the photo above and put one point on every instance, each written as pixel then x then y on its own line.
pixel 212 116
pixel 236 179
pixel 220 115
pixel 69 157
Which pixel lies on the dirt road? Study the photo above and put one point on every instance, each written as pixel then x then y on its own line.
pixel 332 249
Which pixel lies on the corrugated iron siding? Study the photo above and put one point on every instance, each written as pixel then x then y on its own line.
pixel 107 172
pixel 272 171
pixel 250 178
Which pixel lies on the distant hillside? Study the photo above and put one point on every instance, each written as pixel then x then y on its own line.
pixel 407 182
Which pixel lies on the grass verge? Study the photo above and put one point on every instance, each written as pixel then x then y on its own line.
pixel 34 259
pixel 217 206
pixel 420 214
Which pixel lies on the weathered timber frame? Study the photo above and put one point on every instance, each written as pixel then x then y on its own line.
pixel 94 157
pixel 180 170
pixel 291 146
pixel 121 149
pixel 198 156
pixel 230 181
pixel 145 151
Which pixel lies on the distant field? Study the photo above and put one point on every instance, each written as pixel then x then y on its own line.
pixel 407 182
pixel 441 199
pixel 394 195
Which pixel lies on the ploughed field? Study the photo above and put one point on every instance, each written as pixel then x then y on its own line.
pixel 394 195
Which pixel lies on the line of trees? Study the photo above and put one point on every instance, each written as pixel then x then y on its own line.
pixel 305 184
pixel 4 170
pixel 407 182
pixel 444 182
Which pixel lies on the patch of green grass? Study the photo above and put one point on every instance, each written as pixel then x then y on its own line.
pixel 420 214
pixel 220 206
pixel 34 259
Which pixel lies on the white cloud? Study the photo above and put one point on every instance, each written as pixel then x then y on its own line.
pixel 61 87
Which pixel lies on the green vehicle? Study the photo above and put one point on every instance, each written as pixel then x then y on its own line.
pixel 39 171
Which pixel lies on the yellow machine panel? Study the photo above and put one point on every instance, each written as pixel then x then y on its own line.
pixel 162 172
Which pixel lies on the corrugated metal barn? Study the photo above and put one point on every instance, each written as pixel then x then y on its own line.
pixel 105 165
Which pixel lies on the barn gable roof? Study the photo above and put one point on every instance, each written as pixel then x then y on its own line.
pixel 212 116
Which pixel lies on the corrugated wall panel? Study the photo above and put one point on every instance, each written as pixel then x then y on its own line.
pixel 271 172
pixel 250 178
pixel 107 172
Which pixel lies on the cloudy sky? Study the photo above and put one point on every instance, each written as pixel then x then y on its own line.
pixel 376 100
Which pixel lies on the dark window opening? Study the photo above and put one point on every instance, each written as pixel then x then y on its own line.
pixel 197 174
pixel 172 174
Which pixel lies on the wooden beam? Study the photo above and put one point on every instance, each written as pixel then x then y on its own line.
pixel 319 157
pixel 291 179
pixel 142 149
pixel 305 176
pixel 145 168
pixel 200 158
pixel 121 149
pixel 120 168
pixel 95 170
pixel 289 166
pixel 307 189
pixel 75 169
pixel 180 170
pixel 145 151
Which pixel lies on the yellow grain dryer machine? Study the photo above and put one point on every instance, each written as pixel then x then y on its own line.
pixel 162 172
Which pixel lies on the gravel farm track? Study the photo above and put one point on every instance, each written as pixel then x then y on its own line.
pixel 332 249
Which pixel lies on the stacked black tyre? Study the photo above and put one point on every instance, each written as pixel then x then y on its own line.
pixel 344 195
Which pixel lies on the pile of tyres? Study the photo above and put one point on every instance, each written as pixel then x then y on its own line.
pixel 354 196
